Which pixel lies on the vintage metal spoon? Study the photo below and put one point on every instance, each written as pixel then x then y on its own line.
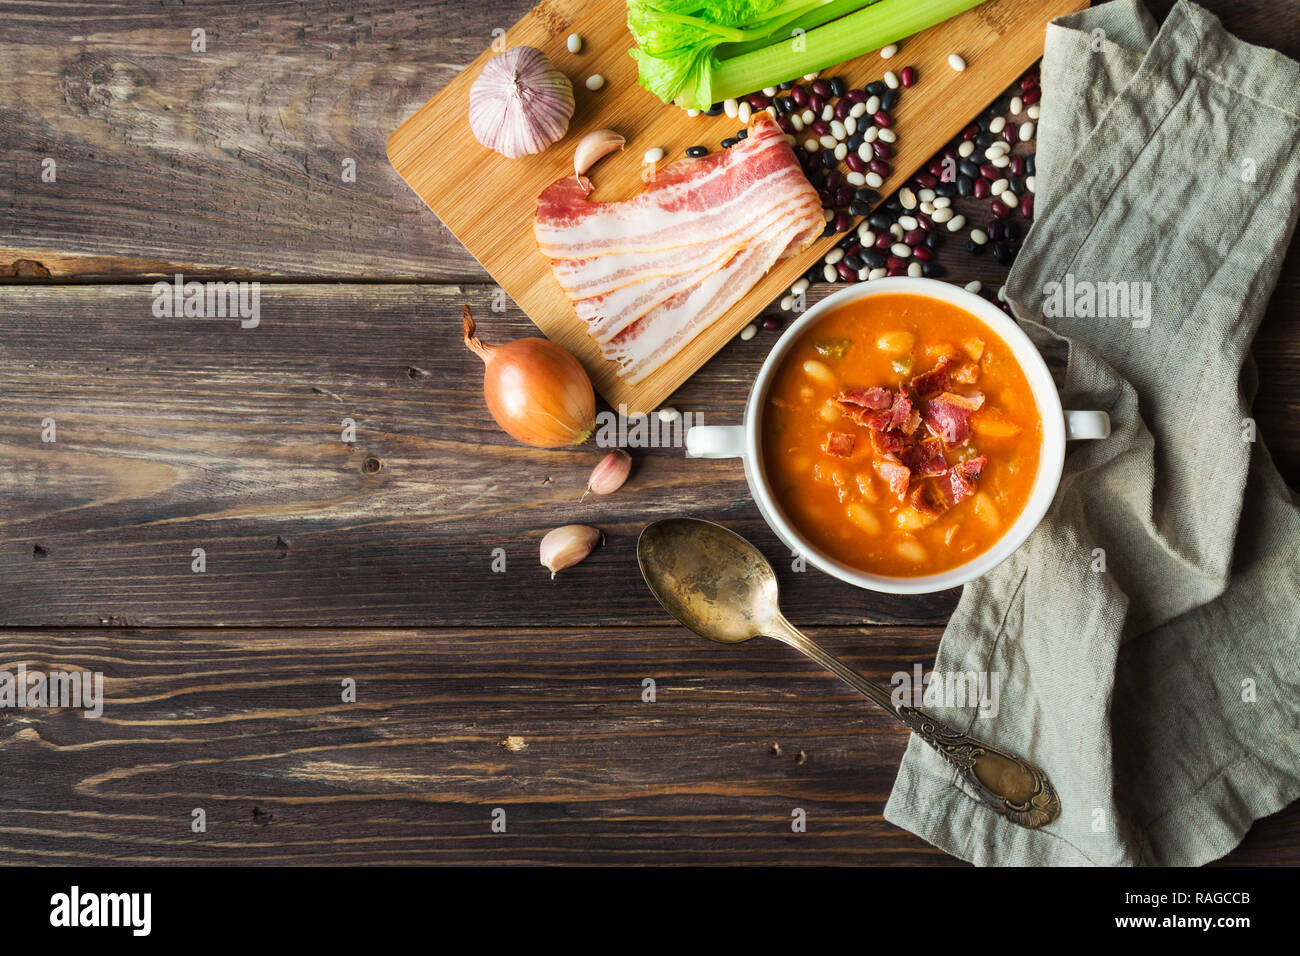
pixel 718 584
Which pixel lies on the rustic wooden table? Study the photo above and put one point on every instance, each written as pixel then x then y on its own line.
pixel 128 156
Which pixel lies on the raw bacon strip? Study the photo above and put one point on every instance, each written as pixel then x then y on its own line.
pixel 609 314
pixel 651 273
pixel 597 274
pixel 655 337
pixel 689 199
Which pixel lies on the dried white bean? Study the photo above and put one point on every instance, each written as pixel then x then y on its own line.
pixel 731 107
pixel 841 151
pixel 838 130
pixel 787 303
pixel 1033 112
pixel 887 52
pixel 744 113
pixel 1026 132
pixel 834 256
pixel 595 81
pixel 941 215
pixel 877 274
pixel 891 79
pixel 875 180
pixel 999 186
pixel 574 43
pixel 956 223
pixel 956 62
pixel 902 250
pixel 855 178
pixel 654 155
pixel 887 135
pixel 748 332
pixel 997 125
pixel 914 270
pixel 966 148
pixel 1017 105
pixel 979 236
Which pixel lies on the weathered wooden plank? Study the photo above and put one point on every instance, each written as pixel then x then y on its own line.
pixel 250 727
pixel 232 158
pixel 176 434
pixel 215 437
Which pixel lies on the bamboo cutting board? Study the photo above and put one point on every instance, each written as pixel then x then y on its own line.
pixel 488 201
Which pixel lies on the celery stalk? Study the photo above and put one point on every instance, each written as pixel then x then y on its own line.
pixel 806 20
pixel 882 23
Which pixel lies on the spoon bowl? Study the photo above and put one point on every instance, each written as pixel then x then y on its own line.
pixel 709 578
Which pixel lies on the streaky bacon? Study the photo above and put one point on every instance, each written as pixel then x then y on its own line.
pixel 840 444
pixel 650 273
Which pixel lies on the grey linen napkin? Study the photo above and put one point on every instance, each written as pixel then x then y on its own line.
pixel 1147 636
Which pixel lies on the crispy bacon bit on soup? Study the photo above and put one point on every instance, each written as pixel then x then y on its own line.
pixel 935 466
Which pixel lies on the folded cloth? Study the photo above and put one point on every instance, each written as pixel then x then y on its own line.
pixel 1147 636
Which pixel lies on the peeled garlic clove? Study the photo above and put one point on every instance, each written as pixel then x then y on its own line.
pixel 591 149
pixel 520 103
pixel 565 547
pixel 607 477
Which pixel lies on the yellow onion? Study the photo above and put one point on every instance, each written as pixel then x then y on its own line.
pixel 536 391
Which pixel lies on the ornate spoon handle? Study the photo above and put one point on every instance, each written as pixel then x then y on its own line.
pixel 1010 785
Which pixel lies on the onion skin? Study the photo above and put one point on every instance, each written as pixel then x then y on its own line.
pixel 536 391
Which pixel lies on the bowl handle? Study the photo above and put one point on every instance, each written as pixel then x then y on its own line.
pixel 716 441
pixel 1080 425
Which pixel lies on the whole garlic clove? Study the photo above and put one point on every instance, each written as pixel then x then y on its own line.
pixel 594 147
pixel 565 547
pixel 520 103
pixel 608 476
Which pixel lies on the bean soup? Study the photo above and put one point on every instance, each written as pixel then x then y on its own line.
pixel 900 435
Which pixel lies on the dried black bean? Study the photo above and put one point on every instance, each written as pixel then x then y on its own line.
pixel 877 88
pixel 874 258
pixel 894 204
pixel 969 169
pixel 975 248
pixel 984 120
pixel 879 221
pixel 965 185
pixel 828 231
pixel 714 110
pixel 838 86
pixel 934 239
pixel 946 189
pixel 695 152
pixel 788 84
pixel 853 262
pixel 1010 230
pixel 857 208
pixel 984 140
pixel 995 230
pixel 856 140
pixel 729 142
pixel 742 134
pixel 1017 185
pixel 866 195
pixel 931 270
pixel 828 159
pixel 888 100
pixel 1002 252
pixel 1029 165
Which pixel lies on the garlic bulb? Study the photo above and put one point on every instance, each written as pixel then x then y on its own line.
pixel 520 103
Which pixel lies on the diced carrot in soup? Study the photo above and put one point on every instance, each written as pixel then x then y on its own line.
pixel 876 502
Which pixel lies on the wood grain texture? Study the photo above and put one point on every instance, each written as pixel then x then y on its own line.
pixel 175 434
pixel 250 728
pixel 491 213
pixel 186 433
pixel 230 160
